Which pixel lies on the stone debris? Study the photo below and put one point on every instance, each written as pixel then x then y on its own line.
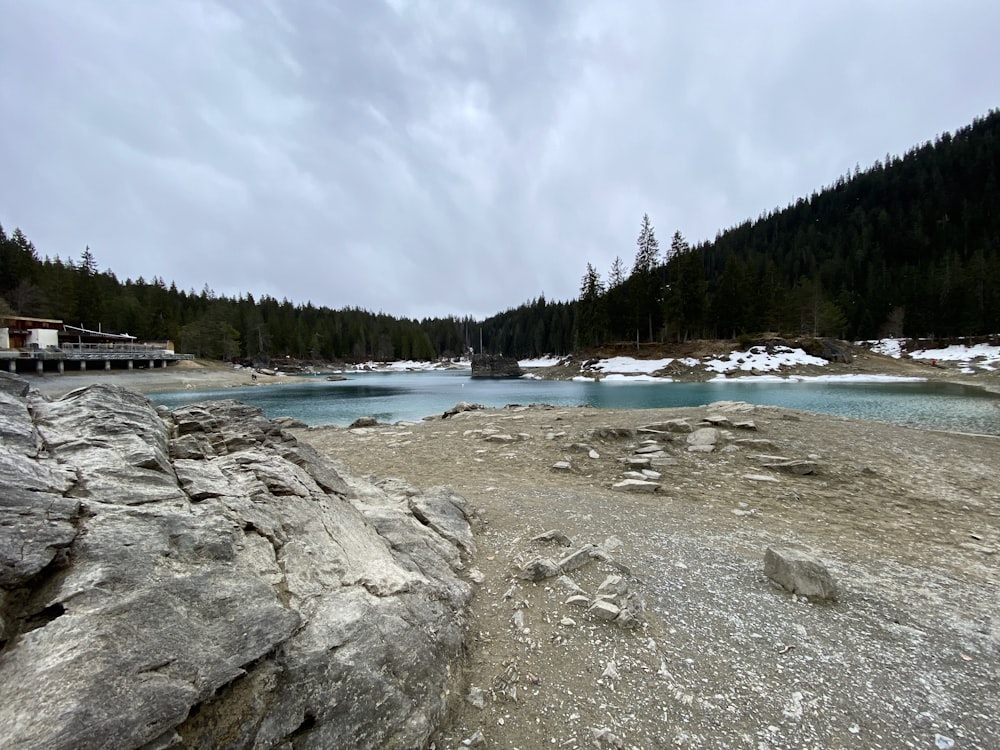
pixel 669 425
pixel 604 738
pixel 634 462
pixel 798 466
pixel 604 610
pixel 704 436
pixel 477 739
pixel 553 535
pixel 476 697
pixel 499 437
pixel 578 558
pixel 759 477
pixel 538 569
pixel 562 466
pixel 649 448
pixel 716 420
pixel 636 485
pixel 800 573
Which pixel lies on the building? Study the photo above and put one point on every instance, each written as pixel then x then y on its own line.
pixel 40 344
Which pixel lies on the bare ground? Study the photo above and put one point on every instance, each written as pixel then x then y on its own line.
pixel 907 521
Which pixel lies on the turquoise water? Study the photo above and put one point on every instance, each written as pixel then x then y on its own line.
pixel 391 397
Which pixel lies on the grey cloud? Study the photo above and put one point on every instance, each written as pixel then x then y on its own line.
pixel 428 158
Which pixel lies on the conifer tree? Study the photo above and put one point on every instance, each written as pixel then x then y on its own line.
pixel 643 284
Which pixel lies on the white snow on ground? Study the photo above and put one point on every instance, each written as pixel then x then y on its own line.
pixel 984 356
pixel 413 365
pixel 548 361
pixel 823 378
pixel 760 360
pixel 631 366
pixel 888 347
pixel 619 378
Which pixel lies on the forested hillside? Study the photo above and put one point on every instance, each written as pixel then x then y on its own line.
pixel 907 247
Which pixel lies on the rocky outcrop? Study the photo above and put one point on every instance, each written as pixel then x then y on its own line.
pixel 199 578
pixel 495 366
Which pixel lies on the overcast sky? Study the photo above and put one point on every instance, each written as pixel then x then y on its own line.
pixel 428 157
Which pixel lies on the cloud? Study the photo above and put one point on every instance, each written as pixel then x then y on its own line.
pixel 429 159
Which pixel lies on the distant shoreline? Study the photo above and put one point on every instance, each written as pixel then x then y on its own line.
pixel 204 375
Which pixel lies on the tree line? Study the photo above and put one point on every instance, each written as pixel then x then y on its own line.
pixel 908 247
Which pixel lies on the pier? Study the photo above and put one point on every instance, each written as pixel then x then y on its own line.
pixel 40 345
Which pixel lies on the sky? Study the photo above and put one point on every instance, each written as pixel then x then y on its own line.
pixel 429 158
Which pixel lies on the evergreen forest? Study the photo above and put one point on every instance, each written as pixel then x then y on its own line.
pixel 907 247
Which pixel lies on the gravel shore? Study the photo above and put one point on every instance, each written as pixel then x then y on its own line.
pixel 907 521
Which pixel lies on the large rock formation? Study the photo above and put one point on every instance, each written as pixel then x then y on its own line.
pixel 200 579
pixel 495 366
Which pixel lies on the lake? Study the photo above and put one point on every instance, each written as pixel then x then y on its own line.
pixel 410 396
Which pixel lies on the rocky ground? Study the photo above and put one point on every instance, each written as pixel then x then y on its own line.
pixel 709 653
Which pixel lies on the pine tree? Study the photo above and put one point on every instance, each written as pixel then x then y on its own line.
pixel 644 285
pixel 648 249
pixel 590 309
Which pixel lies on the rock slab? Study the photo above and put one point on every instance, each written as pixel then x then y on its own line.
pixel 245 595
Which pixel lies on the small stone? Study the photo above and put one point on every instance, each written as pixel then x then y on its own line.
pixel 604 610
pixel 568 622
pixel 476 697
pixel 562 466
pixel 553 535
pixel 578 600
pixel 799 573
pixel 499 438
pixel 477 739
pixel 799 466
pixel 636 485
pixel 760 478
pixel 704 436
pixel 577 558
pixel 614 585
pixel 539 569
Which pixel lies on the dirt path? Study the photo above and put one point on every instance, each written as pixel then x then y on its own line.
pixel 908 522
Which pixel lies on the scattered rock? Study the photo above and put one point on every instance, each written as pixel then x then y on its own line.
pixel 363 422
pixel 798 466
pixel 636 485
pixel 800 573
pixel 538 569
pixel 461 406
pixel 553 535
pixel 704 437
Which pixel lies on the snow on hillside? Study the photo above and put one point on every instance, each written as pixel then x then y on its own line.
pixel 759 359
pixel 983 356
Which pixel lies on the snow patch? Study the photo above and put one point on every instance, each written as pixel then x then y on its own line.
pixel 759 359
pixel 631 365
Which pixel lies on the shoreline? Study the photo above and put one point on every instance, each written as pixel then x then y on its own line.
pixel 200 375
